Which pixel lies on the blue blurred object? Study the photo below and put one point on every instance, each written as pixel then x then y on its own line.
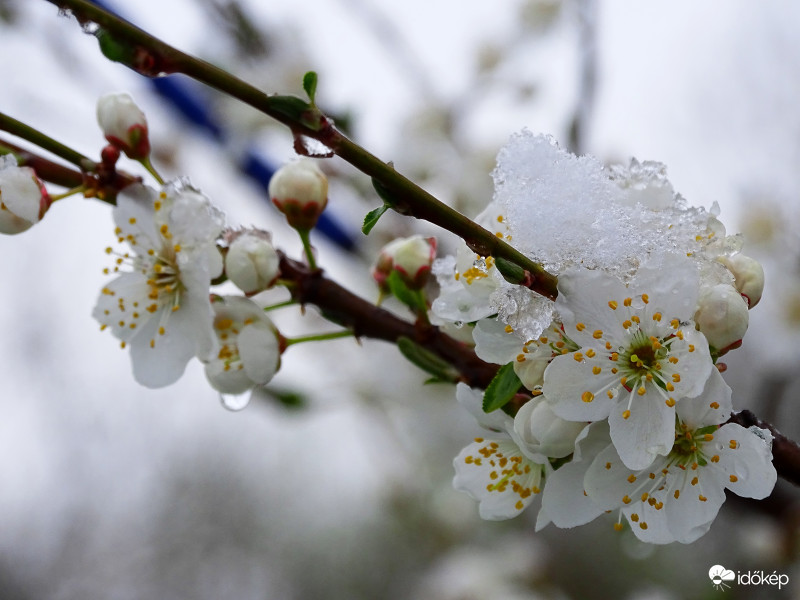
pixel 194 109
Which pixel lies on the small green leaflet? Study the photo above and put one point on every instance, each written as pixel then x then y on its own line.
pixel 372 218
pixel 310 85
pixel 502 388
pixel 427 361
pixel 411 298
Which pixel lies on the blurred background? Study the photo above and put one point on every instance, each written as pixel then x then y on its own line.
pixel 336 483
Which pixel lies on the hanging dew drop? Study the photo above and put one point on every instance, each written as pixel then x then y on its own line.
pixel 235 402
pixel 480 264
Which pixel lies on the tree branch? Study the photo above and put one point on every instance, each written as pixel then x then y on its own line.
pixel 367 320
pixel 151 57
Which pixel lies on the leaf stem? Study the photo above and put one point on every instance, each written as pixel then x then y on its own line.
pixel 319 337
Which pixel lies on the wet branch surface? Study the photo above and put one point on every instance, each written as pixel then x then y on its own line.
pixel 367 320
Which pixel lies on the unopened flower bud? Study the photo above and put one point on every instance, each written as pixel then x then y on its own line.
pixel 300 191
pixel 545 433
pixel 23 198
pixel 252 263
pixel 411 257
pixel 722 315
pixel 250 346
pixel 749 276
pixel 124 124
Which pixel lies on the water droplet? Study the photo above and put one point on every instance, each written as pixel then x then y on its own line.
pixel 637 302
pixel 458 324
pixel 235 402
pixel 480 264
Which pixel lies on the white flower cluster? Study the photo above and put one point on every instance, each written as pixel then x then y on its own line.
pixel 626 409
pixel 160 302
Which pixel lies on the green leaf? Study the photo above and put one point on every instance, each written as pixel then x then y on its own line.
pixel 290 106
pixel 372 218
pixel 512 272
pixel 411 298
pixel 114 49
pixel 426 360
pixel 310 85
pixel 501 389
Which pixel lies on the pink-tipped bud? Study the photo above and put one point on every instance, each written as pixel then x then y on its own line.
pixel 124 124
pixel 749 275
pixel 411 257
pixel 300 191
pixel 722 315
pixel 252 263
pixel 23 197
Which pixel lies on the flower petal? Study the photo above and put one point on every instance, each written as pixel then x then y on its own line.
pixel 648 431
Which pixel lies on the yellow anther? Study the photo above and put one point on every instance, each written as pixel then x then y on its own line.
pixel 613 305
pixel 626 499
pixel 596 370
pixel 610 394
pixel 641 391
pixel 626 323
pixel 631 478
pixel 691 347
pixel 627 301
pixel 635 319
pixel 520 358
pixel 670 387
pixel 626 414
pixel 132 220
pixel 591 353
pixel 598 333
pixel 645 298
pixel 670 402
pixel 614 356
pixel 509 329
pixel 657 316
pixel 733 444
pixel 734 478
pixel 580 326
pixel 578 357
pixel 714 405
pixel 161 331
pixel 675 323
pixel 587 396
pixel 715 458
pixel 708 437
pixel 702 498
pixel 617 526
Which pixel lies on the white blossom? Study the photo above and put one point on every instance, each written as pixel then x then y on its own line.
pixel 748 276
pixel 249 346
pixel 299 189
pixel 677 497
pixel 639 354
pixel 123 124
pixel 161 306
pixel 497 469
pixel 23 198
pixel 722 315
pixel 251 262
pixel 411 257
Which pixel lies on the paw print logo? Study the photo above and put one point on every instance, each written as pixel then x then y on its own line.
pixel 719 575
